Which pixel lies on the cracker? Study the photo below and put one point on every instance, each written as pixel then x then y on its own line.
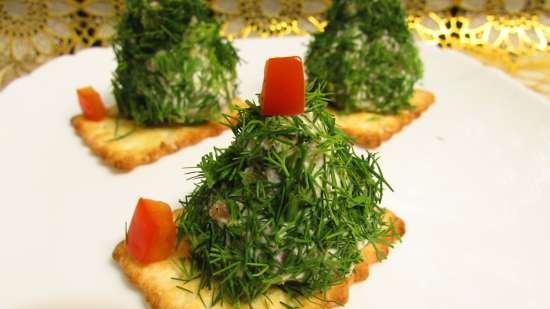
pixel 134 145
pixel 161 291
pixel 370 129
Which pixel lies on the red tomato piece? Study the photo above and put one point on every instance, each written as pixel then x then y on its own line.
pixel 152 234
pixel 283 92
pixel 91 104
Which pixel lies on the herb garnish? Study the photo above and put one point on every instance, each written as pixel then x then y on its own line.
pixel 287 204
pixel 173 66
pixel 367 57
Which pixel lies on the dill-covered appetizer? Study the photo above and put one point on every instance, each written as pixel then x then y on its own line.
pixel 287 204
pixel 175 79
pixel 173 66
pixel 367 57
pixel 287 215
pixel 369 62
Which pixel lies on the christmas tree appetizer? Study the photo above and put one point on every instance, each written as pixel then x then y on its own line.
pixel 288 216
pixel 175 77
pixel 367 57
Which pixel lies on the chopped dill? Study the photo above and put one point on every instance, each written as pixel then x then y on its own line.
pixel 287 306
pixel 367 57
pixel 121 136
pixel 287 204
pixel 173 66
pixel 184 289
pixel 117 126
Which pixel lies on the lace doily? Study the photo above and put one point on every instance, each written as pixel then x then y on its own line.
pixel 513 35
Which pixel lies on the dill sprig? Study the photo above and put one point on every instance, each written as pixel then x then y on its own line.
pixel 287 204
pixel 173 66
pixel 367 57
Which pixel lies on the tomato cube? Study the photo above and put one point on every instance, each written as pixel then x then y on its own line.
pixel 91 104
pixel 152 233
pixel 283 91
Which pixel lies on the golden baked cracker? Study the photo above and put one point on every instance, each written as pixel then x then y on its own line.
pixel 370 129
pixel 124 145
pixel 156 281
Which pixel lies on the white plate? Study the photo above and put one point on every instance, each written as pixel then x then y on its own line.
pixel 471 179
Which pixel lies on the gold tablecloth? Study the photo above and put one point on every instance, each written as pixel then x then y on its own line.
pixel 513 35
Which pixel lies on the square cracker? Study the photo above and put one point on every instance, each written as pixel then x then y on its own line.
pixel 134 145
pixel 370 129
pixel 161 291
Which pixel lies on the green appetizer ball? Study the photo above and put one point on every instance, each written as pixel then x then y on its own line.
pixel 287 204
pixel 367 57
pixel 173 66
